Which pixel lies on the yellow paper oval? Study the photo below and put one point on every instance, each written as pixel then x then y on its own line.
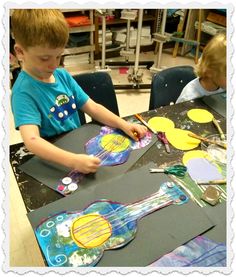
pixel 181 140
pixel 90 230
pixel 115 143
pixel 195 154
pixel 200 115
pixel 161 124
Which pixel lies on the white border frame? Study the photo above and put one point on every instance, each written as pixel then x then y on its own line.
pixel 4 135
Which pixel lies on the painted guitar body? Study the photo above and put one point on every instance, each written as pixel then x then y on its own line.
pixel 111 146
pixel 79 238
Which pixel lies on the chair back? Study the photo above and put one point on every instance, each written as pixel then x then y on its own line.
pixel 99 87
pixel 167 85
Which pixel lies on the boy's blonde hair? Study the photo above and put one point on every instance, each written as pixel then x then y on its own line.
pixel 213 60
pixel 39 27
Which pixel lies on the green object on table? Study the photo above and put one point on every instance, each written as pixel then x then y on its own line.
pixel 178 170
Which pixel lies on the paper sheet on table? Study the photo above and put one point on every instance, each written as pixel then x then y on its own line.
pixel 157 233
pixel 49 173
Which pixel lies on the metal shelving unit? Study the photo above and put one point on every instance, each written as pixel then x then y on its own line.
pixel 82 29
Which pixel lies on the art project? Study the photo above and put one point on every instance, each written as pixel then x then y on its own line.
pixel 161 124
pixel 111 146
pixel 200 115
pixel 153 229
pixel 50 174
pixel 202 170
pixel 203 116
pixel 201 167
pixel 206 253
pixel 80 238
pixel 195 154
pixel 181 140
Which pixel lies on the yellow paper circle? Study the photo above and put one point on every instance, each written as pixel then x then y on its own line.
pixel 200 115
pixel 90 230
pixel 181 140
pixel 161 124
pixel 195 154
pixel 115 143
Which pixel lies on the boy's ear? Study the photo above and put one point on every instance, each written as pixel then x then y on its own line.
pixel 19 51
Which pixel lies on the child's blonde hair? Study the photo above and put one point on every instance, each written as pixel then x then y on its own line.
pixel 213 60
pixel 39 27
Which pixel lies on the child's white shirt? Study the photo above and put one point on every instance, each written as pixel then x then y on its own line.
pixel 194 90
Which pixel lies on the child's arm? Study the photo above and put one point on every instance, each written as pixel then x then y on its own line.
pixel 103 115
pixel 46 150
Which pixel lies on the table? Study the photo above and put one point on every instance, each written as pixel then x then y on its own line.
pixel 36 195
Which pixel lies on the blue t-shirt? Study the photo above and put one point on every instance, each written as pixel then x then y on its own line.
pixel 51 106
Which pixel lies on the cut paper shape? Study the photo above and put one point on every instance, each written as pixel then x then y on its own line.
pixel 199 252
pixel 200 115
pixel 195 154
pixel 83 227
pixel 111 146
pixel 112 149
pixel 181 140
pixel 202 170
pixel 80 238
pixel 161 124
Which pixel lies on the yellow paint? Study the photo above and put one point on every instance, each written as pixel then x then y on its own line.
pixel 195 154
pixel 161 124
pixel 181 140
pixel 200 115
pixel 90 230
pixel 115 143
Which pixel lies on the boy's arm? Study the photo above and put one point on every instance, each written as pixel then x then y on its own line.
pixel 46 150
pixel 103 115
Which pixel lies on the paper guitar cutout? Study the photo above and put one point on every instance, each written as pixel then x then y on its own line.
pixel 111 146
pixel 80 238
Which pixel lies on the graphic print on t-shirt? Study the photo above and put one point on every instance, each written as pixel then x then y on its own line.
pixel 63 108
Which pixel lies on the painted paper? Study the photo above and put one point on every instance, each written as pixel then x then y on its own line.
pixel 200 115
pixel 181 140
pixel 79 238
pixel 113 147
pixel 161 124
pixel 202 170
pixel 195 154
pixel 199 252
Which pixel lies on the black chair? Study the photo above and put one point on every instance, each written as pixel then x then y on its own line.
pixel 167 85
pixel 99 87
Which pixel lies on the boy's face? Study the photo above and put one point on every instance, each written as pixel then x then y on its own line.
pixel 40 62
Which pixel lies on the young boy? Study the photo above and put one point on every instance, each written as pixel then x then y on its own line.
pixel 211 71
pixel 41 88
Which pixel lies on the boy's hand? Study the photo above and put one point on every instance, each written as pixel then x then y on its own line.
pixel 135 131
pixel 85 163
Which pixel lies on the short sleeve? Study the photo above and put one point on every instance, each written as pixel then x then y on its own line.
pixel 25 110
